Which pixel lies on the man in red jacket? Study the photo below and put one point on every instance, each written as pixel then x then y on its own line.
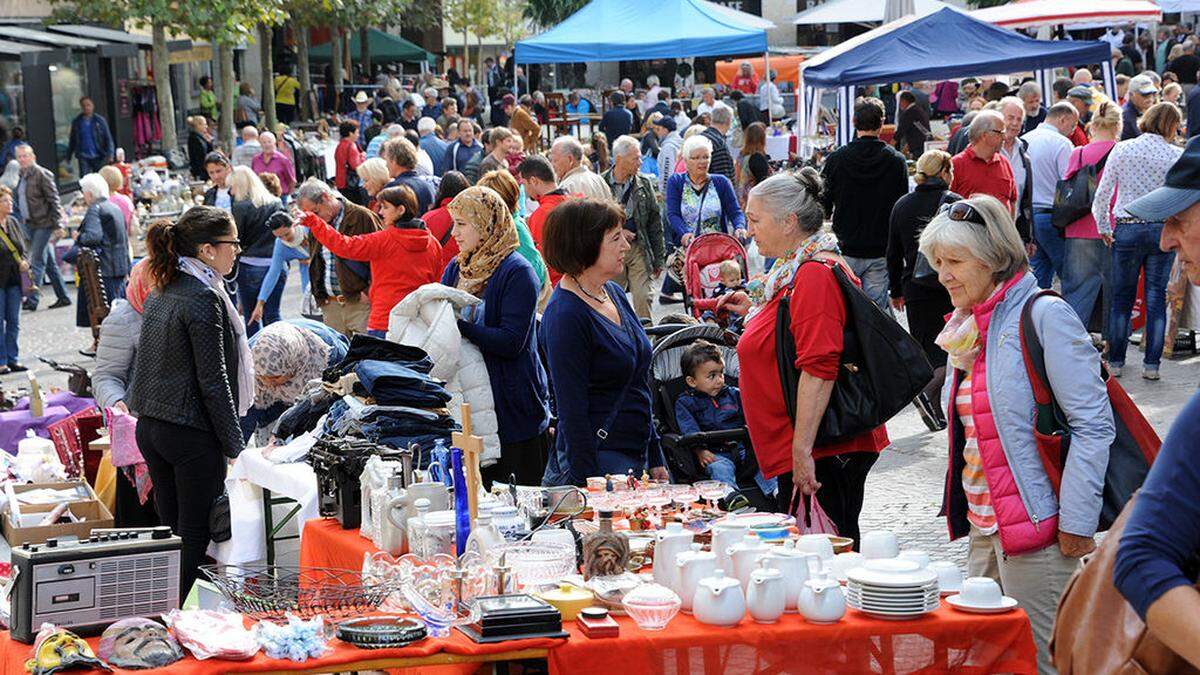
pixel 541 185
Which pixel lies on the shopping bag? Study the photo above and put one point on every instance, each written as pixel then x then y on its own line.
pixel 810 517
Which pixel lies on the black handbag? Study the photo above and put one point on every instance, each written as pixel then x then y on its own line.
pixel 1073 196
pixel 882 368
pixel 220 528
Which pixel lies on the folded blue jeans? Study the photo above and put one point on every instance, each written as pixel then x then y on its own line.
pixel 395 384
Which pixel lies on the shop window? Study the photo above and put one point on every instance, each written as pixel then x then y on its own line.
pixel 12 102
pixel 68 82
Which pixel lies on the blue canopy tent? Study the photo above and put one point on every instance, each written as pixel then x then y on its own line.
pixel 943 45
pixel 635 30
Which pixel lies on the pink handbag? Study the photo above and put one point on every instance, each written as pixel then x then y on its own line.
pixel 122 428
pixel 810 517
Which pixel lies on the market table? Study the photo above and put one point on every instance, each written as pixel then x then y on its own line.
pixel 946 640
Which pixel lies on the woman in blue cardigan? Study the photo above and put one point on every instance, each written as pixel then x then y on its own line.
pixel 597 351
pixel 699 202
pixel 489 267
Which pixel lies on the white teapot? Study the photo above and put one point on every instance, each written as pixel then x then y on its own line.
pixel 744 556
pixel 670 542
pixel 690 567
pixel 794 564
pixel 725 535
pixel 822 600
pixel 766 598
pixel 719 600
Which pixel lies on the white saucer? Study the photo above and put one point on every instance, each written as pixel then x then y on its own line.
pixel 1006 604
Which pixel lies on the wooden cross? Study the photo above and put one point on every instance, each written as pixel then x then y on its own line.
pixel 472 449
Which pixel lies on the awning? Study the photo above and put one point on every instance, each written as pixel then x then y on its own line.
pixel 1036 13
pixel 859 11
pixel 16 49
pixel 58 40
pixel 383 47
pixel 785 68
pixel 113 35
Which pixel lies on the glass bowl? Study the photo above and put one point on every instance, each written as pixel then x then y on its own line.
pixel 651 606
pixel 536 564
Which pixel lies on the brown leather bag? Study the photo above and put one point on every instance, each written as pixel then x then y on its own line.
pixel 1096 632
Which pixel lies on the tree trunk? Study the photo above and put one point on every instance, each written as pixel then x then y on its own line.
pixel 467 58
pixel 307 109
pixel 479 64
pixel 217 82
pixel 227 96
pixel 162 87
pixel 347 58
pixel 364 51
pixel 335 49
pixel 265 35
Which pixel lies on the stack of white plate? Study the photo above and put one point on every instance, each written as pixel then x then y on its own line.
pixel 892 589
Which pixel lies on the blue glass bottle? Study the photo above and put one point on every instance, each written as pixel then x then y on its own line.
pixel 462 508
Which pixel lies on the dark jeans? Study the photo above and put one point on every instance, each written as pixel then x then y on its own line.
pixel 188 471
pixel 286 112
pixel 1087 273
pixel 90 165
pixel 42 261
pixel 375 332
pixel 10 315
pixel 842 479
pixel 524 459
pixel 1047 261
pixel 249 282
pixel 1135 247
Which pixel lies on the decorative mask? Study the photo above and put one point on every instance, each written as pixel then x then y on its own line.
pixel 60 650
pixel 138 643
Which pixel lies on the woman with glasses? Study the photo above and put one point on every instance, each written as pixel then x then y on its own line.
pixel 195 374
pixel 1024 532
pixel 913 283
pixel 1134 168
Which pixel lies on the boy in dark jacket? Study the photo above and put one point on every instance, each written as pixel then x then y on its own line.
pixel 711 405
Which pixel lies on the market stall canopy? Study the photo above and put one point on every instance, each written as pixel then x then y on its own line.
pixel 786 68
pixel 941 46
pixel 634 30
pixel 1035 13
pixel 860 11
pixel 1179 5
pixel 52 40
pixel 383 47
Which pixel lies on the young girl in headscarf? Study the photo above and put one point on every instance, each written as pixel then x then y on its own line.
pixel 502 326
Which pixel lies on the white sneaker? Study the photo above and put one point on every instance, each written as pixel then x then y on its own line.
pixel 1150 374
pixel 1115 371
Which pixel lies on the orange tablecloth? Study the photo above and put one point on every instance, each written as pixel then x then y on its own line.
pixel 947 640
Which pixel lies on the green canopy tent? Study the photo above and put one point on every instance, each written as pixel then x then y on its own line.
pixel 384 48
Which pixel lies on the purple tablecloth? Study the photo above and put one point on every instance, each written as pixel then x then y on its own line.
pixel 65 399
pixel 14 424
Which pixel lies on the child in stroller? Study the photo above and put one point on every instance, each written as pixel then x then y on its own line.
pixel 709 404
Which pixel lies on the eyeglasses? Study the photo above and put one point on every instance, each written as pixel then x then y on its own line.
pixel 237 245
pixel 963 212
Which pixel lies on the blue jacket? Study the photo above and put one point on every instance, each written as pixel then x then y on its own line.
pixel 420 187
pixel 436 149
pixel 103 228
pixel 100 132
pixel 696 412
pixel 508 339
pixel 281 257
pixel 732 217
pixel 1073 369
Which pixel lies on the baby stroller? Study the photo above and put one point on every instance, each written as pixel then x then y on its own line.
pixel 702 271
pixel 667 383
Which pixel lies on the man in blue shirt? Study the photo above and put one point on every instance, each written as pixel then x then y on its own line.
pixel 465 154
pixel 432 145
pixel 1162 535
pixel 90 141
pixel 401 158
pixel 618 121
pixel 362 114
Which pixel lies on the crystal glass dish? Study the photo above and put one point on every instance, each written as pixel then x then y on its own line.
pixel 536 564
pixel 651 606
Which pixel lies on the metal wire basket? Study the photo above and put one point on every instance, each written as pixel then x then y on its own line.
pixel 270 592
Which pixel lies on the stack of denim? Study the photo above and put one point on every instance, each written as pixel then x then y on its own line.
pixel 363 347
pixel 394 426
pixel 396 384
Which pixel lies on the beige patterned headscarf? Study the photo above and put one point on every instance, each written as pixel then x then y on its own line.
pixel 483 208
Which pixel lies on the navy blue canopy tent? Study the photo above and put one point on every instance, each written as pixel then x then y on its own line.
pixel 634 30
pixel 939 46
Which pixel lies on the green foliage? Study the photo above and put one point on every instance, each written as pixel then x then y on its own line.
pixel 549 13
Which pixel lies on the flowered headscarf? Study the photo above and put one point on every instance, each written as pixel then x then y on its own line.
pixel 285 349
pixel 483 208
pixel 139 285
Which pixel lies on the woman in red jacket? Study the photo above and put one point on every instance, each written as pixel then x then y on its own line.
pixel 346 158
pixel 784 215
pixel 403 255
pixel 439 220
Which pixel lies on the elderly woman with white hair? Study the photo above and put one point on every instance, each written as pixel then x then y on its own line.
pixel 699 202
pixel 1028 519
pixel 252 208
pixel 271 160
pixel 375 176
pixel 102 231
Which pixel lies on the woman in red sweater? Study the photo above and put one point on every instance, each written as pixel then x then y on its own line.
pixel 784 215
pixel 403 255
pixel 438 220
pixel 346 158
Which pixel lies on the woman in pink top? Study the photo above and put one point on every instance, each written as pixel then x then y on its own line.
pixel 112 176
pixel 1087 266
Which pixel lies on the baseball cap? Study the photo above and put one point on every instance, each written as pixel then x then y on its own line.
pixel 665 121
pixel 1081 92
pixel 1180 189
pixel 1142 85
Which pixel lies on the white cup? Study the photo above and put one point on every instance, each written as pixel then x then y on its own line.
pixel 919 557
pixel 816 543
pixel 844 562
pixel 981 592
pixel 950 577
pixel 879 544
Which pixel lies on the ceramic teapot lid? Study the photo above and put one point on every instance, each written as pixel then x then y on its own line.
pixel 763 573
pixel 719 582
pixel 697 552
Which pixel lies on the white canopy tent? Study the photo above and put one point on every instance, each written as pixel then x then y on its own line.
pixel 1036 13
pixel 861 11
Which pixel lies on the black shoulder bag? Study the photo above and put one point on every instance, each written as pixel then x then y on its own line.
pixel 1073 196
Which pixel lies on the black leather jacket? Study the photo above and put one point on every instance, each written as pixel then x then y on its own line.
pixel 187 362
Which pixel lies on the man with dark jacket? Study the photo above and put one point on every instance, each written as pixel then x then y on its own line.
pixel 863 180
pixel 618 121
pixel 912 126
pixel 634 192
pixel 717 131
pixel 747 111
pixel 401 157
pixel 41 214
pixel 218 168
pixel 338 285
pixel 90 141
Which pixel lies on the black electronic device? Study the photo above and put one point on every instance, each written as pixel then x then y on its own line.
pixel 338 463
pixel 513 617
pixel 87 584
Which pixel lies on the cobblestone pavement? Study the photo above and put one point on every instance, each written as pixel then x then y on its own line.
pixel 903 491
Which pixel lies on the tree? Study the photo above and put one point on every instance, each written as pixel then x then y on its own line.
pixel 509 20
pixel 469 16
pixel 550 13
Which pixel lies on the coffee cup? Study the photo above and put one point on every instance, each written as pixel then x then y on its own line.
pixel 816 543
pixel 919 557
pixel 981 592
pixel 950 577
pixel 879 544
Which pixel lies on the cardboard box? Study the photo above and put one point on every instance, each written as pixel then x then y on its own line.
pixel 91 510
